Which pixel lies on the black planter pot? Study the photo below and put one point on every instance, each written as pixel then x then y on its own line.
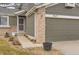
pixel 47 46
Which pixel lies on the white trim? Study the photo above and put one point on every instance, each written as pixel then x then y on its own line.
pixel 61 16
pixel 4 26
pixel 24 23
pixel 39 6
pixel 69 4
pixel 8 25
pixel 31 10
pixel 52 4
pixel 34 8
pixel 35 25
pixel 8 21
pixel 31 37
pixel 45 4
pixel 19 12
pixel 17 25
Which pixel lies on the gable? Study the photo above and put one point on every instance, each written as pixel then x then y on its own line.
pixel 60 9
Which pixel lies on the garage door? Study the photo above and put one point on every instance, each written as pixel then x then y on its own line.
pixel 62 29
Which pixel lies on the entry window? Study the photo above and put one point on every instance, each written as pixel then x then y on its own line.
pixel 21 27
pixel 4 21
pixel 21 23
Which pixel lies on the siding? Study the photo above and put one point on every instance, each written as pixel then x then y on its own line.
pixel 13 20
pixel 30 25
pixel 13 23
pixel 30 5
pixel 12 28
pixel 61 29
pixel 60 9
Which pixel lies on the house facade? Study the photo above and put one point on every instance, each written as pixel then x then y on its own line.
pixel 7 21
pixel 11 20
pixel 50 22
pixel 54 22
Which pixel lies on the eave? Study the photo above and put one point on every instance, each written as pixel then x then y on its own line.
pixel 36 7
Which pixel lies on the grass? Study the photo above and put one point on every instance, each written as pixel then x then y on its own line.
pixel 41 51
pixel 9 49
pixel 6 49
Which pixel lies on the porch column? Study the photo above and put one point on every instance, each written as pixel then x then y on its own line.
pixel 40 25
pixel 17 24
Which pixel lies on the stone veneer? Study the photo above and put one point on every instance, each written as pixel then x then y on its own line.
pixel 40 25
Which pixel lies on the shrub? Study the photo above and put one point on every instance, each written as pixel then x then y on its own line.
pixel 16 42
pixel 11 38
pixel 34 41
pixel 26 35
pixel 15 35
pixel 7 35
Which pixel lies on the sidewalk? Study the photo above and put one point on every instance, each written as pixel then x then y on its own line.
pixel 68 47
pixel 27 43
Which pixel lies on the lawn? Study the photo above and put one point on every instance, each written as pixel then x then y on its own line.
pixel 9 49
pixel 41 51
pixel 6 49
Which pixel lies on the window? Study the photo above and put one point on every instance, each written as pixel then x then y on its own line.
pixel 71 5
pixel 4 21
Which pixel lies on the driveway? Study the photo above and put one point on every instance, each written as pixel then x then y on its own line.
pixel 68 47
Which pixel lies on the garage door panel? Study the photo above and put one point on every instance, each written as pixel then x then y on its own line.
pixel 62 29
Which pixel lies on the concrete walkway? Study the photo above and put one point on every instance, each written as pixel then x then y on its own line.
pixel 68 47
pixel 27 43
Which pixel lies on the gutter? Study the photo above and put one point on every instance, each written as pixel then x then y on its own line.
pixel 19 12
pixel 4 14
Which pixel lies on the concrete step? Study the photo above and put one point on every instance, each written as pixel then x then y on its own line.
pixel 20 34
pixel 26 43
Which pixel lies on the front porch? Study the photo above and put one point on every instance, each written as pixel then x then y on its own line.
pixel 26 43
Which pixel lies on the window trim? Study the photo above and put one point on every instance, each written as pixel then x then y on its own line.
pixel 8 25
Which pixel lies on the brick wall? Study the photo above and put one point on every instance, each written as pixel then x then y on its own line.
pixel 40 25
pixel 7 29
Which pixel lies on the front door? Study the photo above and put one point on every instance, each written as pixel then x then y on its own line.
pixel 21 24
